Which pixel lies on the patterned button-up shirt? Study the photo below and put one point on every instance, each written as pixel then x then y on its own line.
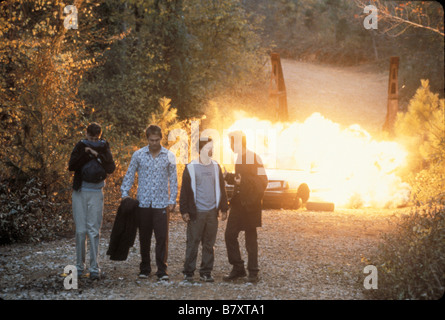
pixel 155 176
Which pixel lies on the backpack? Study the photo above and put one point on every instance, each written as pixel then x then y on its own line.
pixel 93 171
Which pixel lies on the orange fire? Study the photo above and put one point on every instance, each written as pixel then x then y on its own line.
pixel 345 166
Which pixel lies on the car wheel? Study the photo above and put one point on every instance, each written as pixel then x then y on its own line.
pixel 303 192
pixel 298 203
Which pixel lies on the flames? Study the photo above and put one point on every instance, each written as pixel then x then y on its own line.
pixel 341 165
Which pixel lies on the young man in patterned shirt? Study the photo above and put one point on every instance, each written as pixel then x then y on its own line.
pixel 156 192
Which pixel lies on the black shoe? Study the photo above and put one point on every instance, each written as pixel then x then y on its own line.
pixel 235 274
pixel 94 276
pixel 253 278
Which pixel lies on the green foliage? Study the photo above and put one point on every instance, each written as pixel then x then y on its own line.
pixel 411 259
pixel 125 88
pixel 224 46
pixel 422 130
pixel 187 50
pixel 315 30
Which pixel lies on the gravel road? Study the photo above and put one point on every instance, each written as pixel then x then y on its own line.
pixel 303 255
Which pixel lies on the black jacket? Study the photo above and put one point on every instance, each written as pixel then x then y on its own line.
pixel 124 229
pixel 187 202
pixel 79 158
pixel 246 201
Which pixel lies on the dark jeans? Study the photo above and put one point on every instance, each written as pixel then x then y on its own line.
pixel 149 220
pixel 202 230
pixel 233 250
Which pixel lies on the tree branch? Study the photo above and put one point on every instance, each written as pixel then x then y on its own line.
pixel 414 24
pixel 385 12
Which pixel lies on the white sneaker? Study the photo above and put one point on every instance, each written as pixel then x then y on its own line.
pixel 143 275
pixel 188 278
pixel 207 278
pixel 163 278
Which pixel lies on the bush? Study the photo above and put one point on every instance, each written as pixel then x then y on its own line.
pixel 411 259
pixel 422 130
pixel 27 214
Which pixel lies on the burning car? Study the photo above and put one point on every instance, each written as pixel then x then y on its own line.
pixel 280 193
pixel 340 164
pixel 287 190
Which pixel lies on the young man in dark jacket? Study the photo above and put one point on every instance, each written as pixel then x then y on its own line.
pixel 250 182
pixel 202 196
pixel 87 197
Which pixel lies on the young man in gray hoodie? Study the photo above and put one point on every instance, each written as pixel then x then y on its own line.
pixel 202 197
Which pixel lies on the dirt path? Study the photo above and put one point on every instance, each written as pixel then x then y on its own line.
pixel 344 95
pixel 303 255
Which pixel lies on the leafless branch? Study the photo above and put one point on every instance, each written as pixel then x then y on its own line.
pixel 384 13
pixel 412 23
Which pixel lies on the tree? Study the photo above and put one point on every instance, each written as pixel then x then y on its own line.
pixel 422 130
pixel 186 50
pixel 42 64
pixel 225 51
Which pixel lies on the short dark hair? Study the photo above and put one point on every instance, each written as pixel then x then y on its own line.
pixel 202 143
pixel 153 129
pixel 235 135
pixel 94 129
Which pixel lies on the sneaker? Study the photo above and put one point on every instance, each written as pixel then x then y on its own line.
pixel 94 276
pixel 235 274
pixel 188 277
pixel 163 278
pixel 206 278
pixel 144 275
